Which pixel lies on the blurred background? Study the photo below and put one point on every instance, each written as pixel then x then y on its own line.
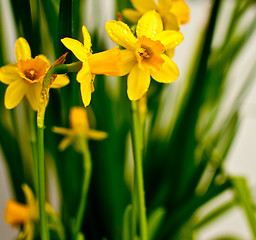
pixel 241 159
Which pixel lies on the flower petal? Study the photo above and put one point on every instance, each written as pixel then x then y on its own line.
pixel 22 49
pixel 121 34
pixel 44 58
pixel 168 73
pixel 137 83
pixel 9 73
pixel 86 90
pixel 132 15
pixel 60 81
pixel 76 47
pixel 84 73
pixel 164 5
pixel 87 39
pixel 14 93
pixel 181 10
pixel 63 131
pixel 33 95
pixel 144 5
pixel 170 38
pixel 171 22
pixel 149 25
pixel 65 142
pixel 129 60
pixel 96 135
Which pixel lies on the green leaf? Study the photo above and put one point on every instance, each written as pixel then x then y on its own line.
pixel 245 199
pixel 155 221
pixel 127 223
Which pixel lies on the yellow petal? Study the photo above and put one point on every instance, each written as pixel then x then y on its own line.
pixel 65 142
pixel 14 93
pixel 149 25
pixel 181 10
pixel 63 131
pixel 171 22
pixel 60 81
pixel 9 73
pixel 168 73
pixel 22 49
pixel 31 202
pixel 144 5
pixel 33 95
pixel 96 135
pixel 87 39
pixel 137 83
pixel 170 38
pixel 85 73
pixel 76 47
pixel 129 60
pixel 121 34
pixel 86 91
pixel 164 5
pixel 44 58
pixel 132 15
pixel 170 52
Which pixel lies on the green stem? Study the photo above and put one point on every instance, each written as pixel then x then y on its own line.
pixel 214 214
pixel 138 172
pixel 41 184
pixel 87 164
pixel 33 141
pixel 134 211
pixel 61 69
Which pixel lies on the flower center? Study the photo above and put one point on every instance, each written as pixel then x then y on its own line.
pixel 148 53
pixel 32 70
pixel 31 74
pixel 143 53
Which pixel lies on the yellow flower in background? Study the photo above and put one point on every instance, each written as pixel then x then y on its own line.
pixel 173 12
pixel 25 77
pixel 144 56
pixel 106 62
pixel 79 128
pixel 18 214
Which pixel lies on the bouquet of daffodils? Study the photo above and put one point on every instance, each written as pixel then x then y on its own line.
pixel 127 153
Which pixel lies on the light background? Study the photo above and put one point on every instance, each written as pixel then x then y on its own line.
pixel 242 157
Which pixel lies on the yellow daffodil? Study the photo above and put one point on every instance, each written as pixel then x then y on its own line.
pixel 173 12
pixel 25 77
pixel 106 62
pixel 18 214
pixel 79 128
pixel 144 56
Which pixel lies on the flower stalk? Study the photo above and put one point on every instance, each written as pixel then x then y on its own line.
pixel 138 171
pixel 49 78
pixel 41 184
pixel 87 165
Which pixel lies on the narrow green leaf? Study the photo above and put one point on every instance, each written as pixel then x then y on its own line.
pixel 155 221
pixel 127 223
pixel 245 198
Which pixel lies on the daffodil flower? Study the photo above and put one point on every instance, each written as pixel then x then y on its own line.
pixel 173 12
pixel 25 77
pixel 79 128
pixel 144 56
pixel 18 214
pixel 106 62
